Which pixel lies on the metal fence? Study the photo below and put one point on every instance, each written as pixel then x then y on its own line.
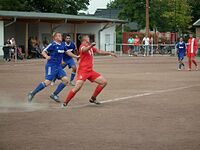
pixel 162 49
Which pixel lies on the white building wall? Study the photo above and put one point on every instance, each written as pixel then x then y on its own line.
pixel 1 37
pixel 90 28
pixel 93 28
pixel 108 39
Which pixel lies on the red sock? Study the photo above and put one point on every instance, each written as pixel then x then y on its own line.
pixel 98 90
pixel 190 64
pixel 194 62
pixel 70 96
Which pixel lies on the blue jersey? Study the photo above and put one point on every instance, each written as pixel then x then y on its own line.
pixel 56 52
pixel 71 47
pixel 181 47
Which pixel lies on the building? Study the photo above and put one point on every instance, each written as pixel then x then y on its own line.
pixel 197 26
pixel 22 25
pixel 114 14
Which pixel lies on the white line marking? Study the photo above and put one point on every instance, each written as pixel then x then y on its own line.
pixel 149 93
pixel 37 106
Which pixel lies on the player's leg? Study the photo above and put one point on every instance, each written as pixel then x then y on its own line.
pixel 54 80
pixel 182 62
pixel 72 93
pixel 195 63
pixel 61 75
pixel 72 65
pixel 189 64
pixel 73 74
pixel 101 81
pixel 39 88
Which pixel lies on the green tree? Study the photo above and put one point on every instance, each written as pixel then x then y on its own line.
pixel 195 4
pixel 165 15
pixel 56 6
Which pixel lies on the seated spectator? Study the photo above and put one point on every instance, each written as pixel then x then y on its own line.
pixel 34 49
pixel 20 54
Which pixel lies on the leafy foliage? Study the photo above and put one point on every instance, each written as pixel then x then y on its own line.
pixel 56 6
pixel 165 15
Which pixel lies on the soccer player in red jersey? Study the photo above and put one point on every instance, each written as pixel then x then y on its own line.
pixel 86 72
pixel 192 49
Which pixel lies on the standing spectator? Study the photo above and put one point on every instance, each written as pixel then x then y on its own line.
pixel 151 41
pixel 146 42
pixel 130 42
pixel 13 47
pixel 6 50
pixel 192 50
pixel 136 44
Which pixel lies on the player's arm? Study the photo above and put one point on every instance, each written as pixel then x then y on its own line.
pixel 45 52
pixel 101 52
pixel 45 55
pixel 69 53
pixel 84 48
pixel 196 46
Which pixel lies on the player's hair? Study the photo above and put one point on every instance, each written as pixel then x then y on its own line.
pixel 68 35
pixel 82 38
pixel 55 33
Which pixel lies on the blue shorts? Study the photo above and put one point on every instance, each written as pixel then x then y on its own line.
pixel 52 72
pixel 70 63
pixel 180 57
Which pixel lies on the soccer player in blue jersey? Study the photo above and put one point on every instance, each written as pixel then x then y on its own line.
pixel 68 60
pixel 181 51
pixel 53 53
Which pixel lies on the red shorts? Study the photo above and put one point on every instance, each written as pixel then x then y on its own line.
pixel 190 55
pixel 91 75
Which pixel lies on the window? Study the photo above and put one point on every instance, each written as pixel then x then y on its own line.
pixel 107 38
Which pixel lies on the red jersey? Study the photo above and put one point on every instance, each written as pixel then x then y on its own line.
pixel 86 59
pixel 192 46
pixel 137 41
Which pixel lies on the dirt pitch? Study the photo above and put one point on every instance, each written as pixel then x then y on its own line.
pixel 147 105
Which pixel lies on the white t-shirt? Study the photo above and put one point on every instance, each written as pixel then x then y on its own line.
pixel 146 40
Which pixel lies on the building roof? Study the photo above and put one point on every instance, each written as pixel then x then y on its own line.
pixel 197 23
pixel 107 13
pixel 25 16
pixel 114 14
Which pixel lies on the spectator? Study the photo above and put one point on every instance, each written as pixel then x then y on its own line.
pixel 6 50
pixel 131 42
pixel 13 47
pixel 34 49
pixel 20 54
pixel 45 42
pixel 151 41
pixel 146 42
pixel 136 44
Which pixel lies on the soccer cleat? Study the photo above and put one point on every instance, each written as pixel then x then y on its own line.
pixel 189 69
pixel 197 68
pixel 30 97
pixel 55 98
pixel 94 102
pixel 179 69
pixel 64 105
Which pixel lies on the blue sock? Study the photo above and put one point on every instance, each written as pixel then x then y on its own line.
pixel 72 76
pixel 40 87
pixel 60 87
